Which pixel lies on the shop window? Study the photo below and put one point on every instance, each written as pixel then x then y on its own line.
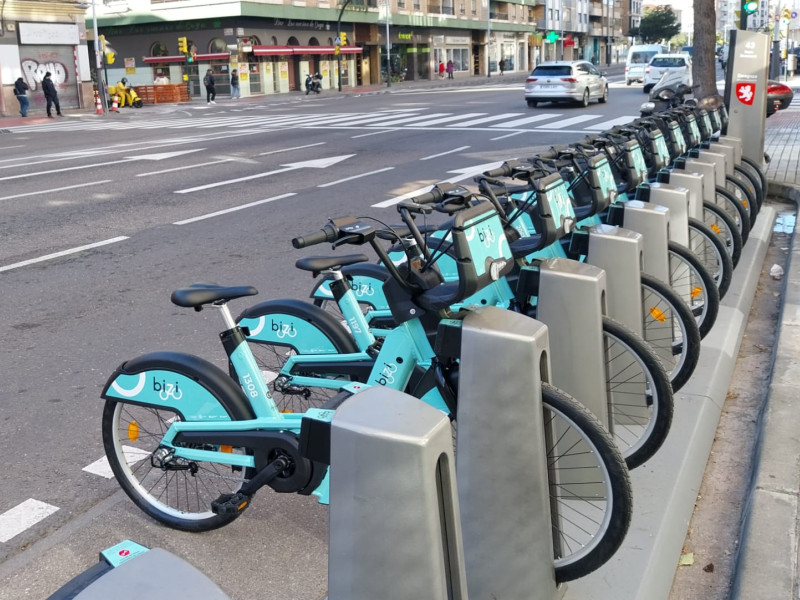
pixel 313 42
pixel 274 41
pixel 292 41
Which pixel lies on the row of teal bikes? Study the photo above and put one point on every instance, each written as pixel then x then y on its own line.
pixel 191 444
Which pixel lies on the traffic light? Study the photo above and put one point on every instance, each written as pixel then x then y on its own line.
pixel 102 40
pixel 344 38
pixel 110 57
pixel 182 47
pixel 750 6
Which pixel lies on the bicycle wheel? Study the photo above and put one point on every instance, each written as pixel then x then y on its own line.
pixel 735 210
pixel 741 193
pixel 640 402
pixel 180 497
pixel 590 492
pixel 711 252
pixel 752 182
pixel 725 227
pixel 694 285
pixel 670 329
pixel 752 167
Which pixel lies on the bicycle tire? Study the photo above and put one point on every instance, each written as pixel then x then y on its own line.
pixel 725 227
pixel 742 173
pixel 179 499
pixel 711 252
pixel 669 327
pixel 740 191
pixel 640 394
pixel 694 285
pixel 602 512
pixel 754 167
pixel 735 209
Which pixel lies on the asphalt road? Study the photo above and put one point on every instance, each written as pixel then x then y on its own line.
pixel 103 218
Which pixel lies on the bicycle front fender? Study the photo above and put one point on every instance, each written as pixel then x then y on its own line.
pixel 192 387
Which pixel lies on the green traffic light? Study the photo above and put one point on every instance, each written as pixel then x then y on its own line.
pixel 750 7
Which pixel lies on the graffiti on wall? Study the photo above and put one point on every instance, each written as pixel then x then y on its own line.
pixel 59 61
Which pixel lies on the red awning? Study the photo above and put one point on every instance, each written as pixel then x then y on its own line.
pixel 214 56
pixel 149 60
pixel 300 50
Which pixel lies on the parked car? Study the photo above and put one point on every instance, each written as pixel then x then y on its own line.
pixel 661 63
pixel 779 96
pixel 566 81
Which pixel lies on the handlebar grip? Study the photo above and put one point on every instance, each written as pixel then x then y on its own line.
pixel 431 197
pixel 329 233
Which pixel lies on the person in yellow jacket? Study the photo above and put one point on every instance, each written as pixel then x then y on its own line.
pixel 123 93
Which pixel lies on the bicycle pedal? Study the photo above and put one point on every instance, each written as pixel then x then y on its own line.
pixel 230 504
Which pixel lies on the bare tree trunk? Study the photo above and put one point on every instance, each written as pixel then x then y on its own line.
pixel 703 46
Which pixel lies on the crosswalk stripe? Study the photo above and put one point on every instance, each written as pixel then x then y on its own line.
pixel 564 123
pixel 611 123
pixel 362 119
pixel 485 120
pixel 446 119
pixel 406 120
pixel 527 120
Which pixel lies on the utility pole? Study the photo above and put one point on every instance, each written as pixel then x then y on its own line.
pixel 339 37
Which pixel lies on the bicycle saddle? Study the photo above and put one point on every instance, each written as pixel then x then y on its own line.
pixel 317 264
pixel 199 294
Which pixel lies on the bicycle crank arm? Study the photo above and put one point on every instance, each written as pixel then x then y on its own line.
pixel 228 504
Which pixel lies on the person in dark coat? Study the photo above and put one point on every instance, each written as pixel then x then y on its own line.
pixel 211 90
pixel 21 92
pixel 51 95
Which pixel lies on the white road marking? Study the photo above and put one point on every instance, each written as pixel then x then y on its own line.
pixel 571 121
pixel 355 177
pixel 446 119
pixel 486 119
pixel 233 209
pixel 192 166
pixel 67 187
pixel 290 149
pixel 445 153
pixel 508 135
pixel 611 123
pixel 352 137
pixel 526 120
pixel 102 467
pixel 22 516
pixel 33 261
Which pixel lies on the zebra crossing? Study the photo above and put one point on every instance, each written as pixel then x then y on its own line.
pixel 405 118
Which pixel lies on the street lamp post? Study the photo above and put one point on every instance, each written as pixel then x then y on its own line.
pixel 101 88
pixel 488 38
pixel 339 37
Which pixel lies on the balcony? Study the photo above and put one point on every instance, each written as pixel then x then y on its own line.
pixel 439 9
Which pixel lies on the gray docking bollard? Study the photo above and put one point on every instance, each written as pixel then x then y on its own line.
pixel 502 466
pixel 652 221
pixel 676 199
pixel 394 528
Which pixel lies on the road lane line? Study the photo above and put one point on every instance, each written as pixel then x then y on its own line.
pixel 612 123
pixel 571 121
pixel 486 120
pixel 32 261
pixel 23 516
pixel 68 187
pixel 526 120
pixel 446 119
pixel 392 121
pixel 194 166
pixel 233 209
pixel 508 135
pixel 353 137
pixel 102 467
pixel 355 177
pixel 295 148
pixel 445 153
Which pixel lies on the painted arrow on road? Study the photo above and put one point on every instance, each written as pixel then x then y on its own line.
pixel 320 163
pixel 161 156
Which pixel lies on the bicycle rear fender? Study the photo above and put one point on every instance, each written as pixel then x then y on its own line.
pixel 366 280
pixel 194 388
pixel 305 327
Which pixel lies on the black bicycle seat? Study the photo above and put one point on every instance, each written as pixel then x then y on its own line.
pixel 317 264
pixel 199 294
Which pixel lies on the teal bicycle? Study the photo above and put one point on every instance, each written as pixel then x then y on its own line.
pixel 191 445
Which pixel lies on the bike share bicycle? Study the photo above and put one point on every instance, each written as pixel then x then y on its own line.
pixel 196 464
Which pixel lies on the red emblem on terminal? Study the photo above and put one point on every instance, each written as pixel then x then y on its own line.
pixel 746 93
pixel 124 552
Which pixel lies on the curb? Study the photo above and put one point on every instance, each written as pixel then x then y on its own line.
pixel 665 489
pixel 767 561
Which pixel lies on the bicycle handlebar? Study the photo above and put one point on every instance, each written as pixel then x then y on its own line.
pixel 329 233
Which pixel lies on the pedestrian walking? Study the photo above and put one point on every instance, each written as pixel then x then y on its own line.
pixel 441 69
pixel 21 92
pixel 449 69
pixel 51 95
pixel 502 65
pixel 235 91
pixel 211 90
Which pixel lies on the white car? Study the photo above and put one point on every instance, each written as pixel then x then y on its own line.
pixel 661 63
pixel 565 81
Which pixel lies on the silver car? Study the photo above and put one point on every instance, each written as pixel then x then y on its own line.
pixel 565 81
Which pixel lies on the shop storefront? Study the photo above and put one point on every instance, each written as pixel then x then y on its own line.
pixel 455 48
pixel 53 48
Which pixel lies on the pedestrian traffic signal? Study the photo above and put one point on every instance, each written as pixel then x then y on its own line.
pixel 750 6
pixel 344 38
pixel 182 47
